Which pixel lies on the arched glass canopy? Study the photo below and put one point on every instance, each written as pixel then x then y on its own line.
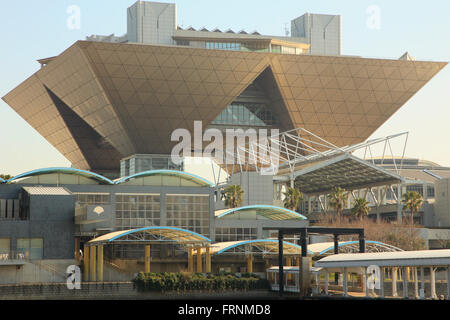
pixel 259 211
pixel 153 234
pixel 326 248
pixel 159 177
pixel 262 246
pixel 61 171
pixel 59 175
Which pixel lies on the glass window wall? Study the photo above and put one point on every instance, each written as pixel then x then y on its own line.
pixel 189 212
pixel 137 211
pixel 33 248
pixel 235 234
pixel 246 114
pixel 83 199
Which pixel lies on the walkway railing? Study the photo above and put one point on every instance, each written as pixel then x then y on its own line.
pixel 13 255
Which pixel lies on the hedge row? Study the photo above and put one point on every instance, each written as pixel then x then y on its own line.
pixel 162 282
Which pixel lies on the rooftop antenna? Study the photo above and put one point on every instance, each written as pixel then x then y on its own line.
pixel 286 29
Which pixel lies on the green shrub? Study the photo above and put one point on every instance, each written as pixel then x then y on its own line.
pixel 162 282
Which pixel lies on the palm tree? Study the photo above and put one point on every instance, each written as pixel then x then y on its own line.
pixel 292 198
pixel 360 208
pixel 412 200
pixel 338 200
pixel 233 196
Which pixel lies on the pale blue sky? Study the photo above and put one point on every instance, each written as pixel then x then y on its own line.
pixel 30 30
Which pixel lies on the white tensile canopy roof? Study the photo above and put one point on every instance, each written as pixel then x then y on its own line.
pixel 387 259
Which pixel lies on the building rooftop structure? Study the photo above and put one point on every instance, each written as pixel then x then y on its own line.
pixel 258 212
pixel 414 168
pixel 395 259
pixel 108 101
pixel 156 23
pixel 113 102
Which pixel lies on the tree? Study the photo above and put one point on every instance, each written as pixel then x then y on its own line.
pixel 292 198
pixel 6 176
pixel 338 200
pixel 404 236
pixel 360 208
pixel 412 200
pixel 233 196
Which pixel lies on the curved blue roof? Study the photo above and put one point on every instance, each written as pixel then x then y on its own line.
pixel 181 174
pixel 271 241
pixel 2 181
pixel 173 233
pixel 269 211
pixel 162 228
pixel 74 171
pixel 342 244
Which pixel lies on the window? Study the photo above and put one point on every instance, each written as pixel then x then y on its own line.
pixel 31 247
pixel 146 163
pixel 415 187
pixel 83 199
pixel 246 114
pixel 235 234
pixel 223 45
pixel 276 49
pixel 287 50
pixel 183 43
pixel 255 46
pixel 430 191
pixel 5 245
pixel 189 212
pixel 137 211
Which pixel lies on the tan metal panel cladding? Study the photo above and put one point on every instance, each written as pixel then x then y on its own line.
pixel 31 101
pixel 135 95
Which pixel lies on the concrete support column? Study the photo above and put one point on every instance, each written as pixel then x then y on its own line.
pixel 365 286
pixel 382 282
pixel 191 260
pixel 250 263
pixel 345 285
pixel 363 278
pixel 394 282
pixel 422 283
pixel 147 259
pixel 199 259
pixel 405 283
pixel 305 282
pixel 433 283
pixel 326 281
pixel 93 264
pixel 100 262
pixel 448 282
pixel 297 261
pixel 416 283
pixel 317 276
pixel 208 259
pixel 86 263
